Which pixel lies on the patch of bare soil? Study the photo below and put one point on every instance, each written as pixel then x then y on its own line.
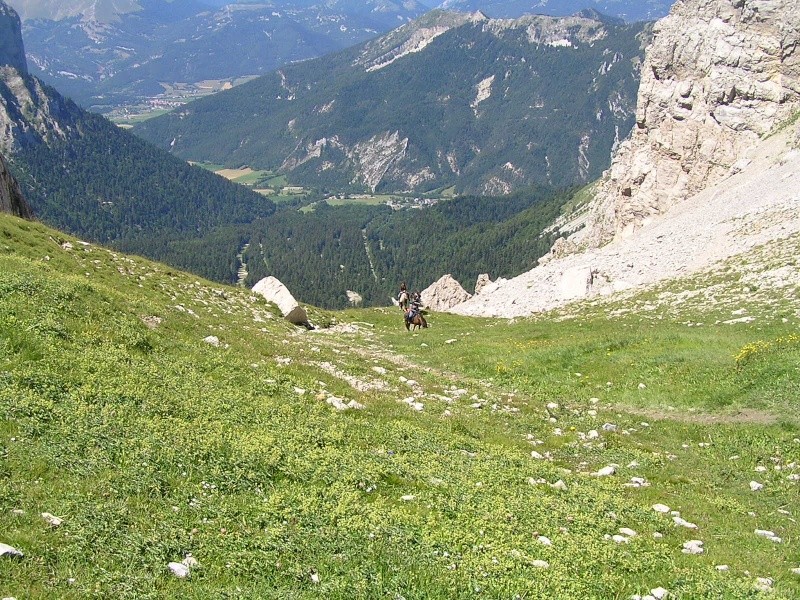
pixel 742 416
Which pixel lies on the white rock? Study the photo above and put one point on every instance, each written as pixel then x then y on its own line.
pixel 274 291
pixel 540 564
pixel 661 508
pixel 593 434
pixel 545 541
pixel 536 455
pixel 609 427
pixel 620 539
pixel 628 531
pixel 212 340
pixel 755 486
pixel 680 522
pixel 659 593
pixel 179 569
pixel 559 485
pixel 605 471
pixel 52 520
pixel 657 535
pixel 190 562
pixel 407 498
pixel 642 386
pixel 693 547
pixel 764 584
pixel 379 370
pixel 6 550
pixel 765 533
pixel 795 571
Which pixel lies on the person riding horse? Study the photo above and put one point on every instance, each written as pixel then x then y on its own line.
pixel 402 297
pixel 413 310
pixel 413 317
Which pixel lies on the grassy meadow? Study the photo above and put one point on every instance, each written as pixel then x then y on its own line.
pixel 166 419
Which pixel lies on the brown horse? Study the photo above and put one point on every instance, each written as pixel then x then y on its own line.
pixel 416 321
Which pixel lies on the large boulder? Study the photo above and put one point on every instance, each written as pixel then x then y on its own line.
pixel 274 291
pixel 444 294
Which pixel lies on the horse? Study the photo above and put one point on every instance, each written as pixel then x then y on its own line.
pixel 403 300
pixel 416 321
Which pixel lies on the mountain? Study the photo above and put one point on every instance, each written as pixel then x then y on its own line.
pixel 56 10
pixel 11 47
pixel 103 62
pixel 628 10
pixel 11 198
pixel 450 99
pixel 88 177
pixel 709 171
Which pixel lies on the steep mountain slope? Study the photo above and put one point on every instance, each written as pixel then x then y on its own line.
pixel 102 62
pixel 450 99
pixel 697 182
pixel 87 176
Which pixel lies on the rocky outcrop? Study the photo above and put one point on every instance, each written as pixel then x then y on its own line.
pixel 720 75
pixel 482 282
pixel 29 112
pixel 11 198
pixel 12 51
pixel 274 291
pixel 444 294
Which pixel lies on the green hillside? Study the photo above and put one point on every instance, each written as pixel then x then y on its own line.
pixel 151 442
pixel 484 107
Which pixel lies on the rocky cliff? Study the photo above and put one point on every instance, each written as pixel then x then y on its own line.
pixel 719 76
pixel 12 52
pixel 11 198
pixel 711 168
pixel 30 113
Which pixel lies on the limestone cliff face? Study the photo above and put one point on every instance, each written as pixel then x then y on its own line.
pixel 11 198
pixel 12 52
pixel 29 112
pixel 719 75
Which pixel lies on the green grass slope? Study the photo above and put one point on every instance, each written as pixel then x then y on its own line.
pixel 153 445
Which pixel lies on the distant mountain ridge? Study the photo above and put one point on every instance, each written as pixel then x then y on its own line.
pixel 449 99
pixel 628 10
pixel 102 61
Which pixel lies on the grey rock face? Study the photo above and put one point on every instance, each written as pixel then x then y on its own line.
pixel 12 51
pixel 444 294
pixel 719 75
